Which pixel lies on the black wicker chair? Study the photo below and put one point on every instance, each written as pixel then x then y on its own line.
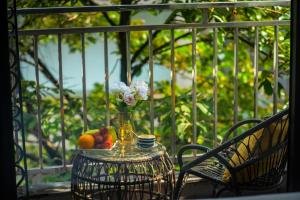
pixel 254 160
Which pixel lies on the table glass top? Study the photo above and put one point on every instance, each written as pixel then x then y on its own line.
pixel 121 153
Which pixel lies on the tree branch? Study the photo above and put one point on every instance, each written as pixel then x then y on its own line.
pixel 110 21
pixel 251 45
pixel 138 67
pixel 124 19
pixel 49 147
pixel 143 46
pixel 44 69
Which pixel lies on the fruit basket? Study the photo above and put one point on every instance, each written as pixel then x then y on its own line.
pixel 102 138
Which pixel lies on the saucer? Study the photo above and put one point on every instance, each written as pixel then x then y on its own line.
pixel 140 147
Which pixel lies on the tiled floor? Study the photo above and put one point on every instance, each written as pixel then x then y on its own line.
pixel 192 190
pixel 203 189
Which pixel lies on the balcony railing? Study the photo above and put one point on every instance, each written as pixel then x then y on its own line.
pixel 213 26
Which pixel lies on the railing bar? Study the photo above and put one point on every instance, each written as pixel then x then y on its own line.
pixel 151 82
pixel 215 75
pixel 275 70
pixel 236 37
pixel 61 94
pixel 49 170
pixel 128 57
pixel 256 55
pixel 173 83
pixel 84 82
pixel 205 16
pixel 174 6
pixel 106 79
pixel 194 79
pixel 152 27
pixel 36 57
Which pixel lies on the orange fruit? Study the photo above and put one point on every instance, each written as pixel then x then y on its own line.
pixel 86 141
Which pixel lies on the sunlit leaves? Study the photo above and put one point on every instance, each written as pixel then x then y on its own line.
pixel 161 44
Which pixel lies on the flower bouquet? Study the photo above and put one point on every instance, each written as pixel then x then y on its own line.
pixel 127 98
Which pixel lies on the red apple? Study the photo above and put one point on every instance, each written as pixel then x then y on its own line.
pixel 106 145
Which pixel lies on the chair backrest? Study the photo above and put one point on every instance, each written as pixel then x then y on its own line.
pixel 259 158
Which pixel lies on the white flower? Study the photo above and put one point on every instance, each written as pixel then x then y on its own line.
pixel 123 87
pixel 141 89
pixel 118 89
pixel 142 92
pixel 129 98
pixel 130 95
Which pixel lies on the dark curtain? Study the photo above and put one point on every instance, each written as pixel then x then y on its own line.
pixel 7 170
pixel 294 136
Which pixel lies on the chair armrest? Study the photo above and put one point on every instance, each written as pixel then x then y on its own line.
pixel 237 125
pixel 209 153
pixel 190 147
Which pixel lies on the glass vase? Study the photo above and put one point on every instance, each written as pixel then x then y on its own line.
pixel 126 131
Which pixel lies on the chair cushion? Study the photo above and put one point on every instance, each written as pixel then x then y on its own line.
pixel 253 146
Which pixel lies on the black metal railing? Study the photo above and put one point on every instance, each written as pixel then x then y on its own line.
pixel 127 29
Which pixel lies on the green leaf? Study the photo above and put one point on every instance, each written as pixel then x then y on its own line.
pixel 183 126
pixel 200 139
pixel 267 85
pixel 185 108
pixel 203 108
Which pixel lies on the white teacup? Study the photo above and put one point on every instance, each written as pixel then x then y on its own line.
pixel 145 141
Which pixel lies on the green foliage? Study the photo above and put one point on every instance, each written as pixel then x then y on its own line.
pixel 96 110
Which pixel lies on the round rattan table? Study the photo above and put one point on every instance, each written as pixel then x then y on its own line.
pixel 119 173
